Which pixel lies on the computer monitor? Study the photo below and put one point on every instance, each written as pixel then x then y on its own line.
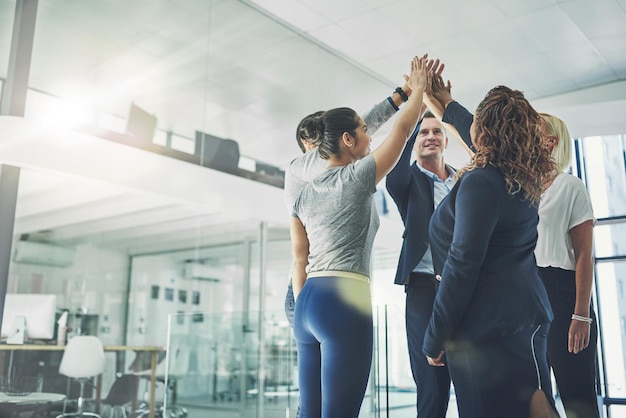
pixel 141 124
pixel 38 309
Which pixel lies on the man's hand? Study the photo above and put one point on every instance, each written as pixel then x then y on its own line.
pixel 439 91
pixel 435 67
pixel 433 103
pixel 436 361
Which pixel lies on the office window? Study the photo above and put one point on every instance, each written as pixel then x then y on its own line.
pixel 604 173
pixel 611 314
pixel 602 166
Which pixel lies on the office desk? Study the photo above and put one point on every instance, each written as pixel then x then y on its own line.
pixel 11 406
pixel 153 350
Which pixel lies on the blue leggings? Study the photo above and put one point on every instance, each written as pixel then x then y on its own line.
pixel 334 332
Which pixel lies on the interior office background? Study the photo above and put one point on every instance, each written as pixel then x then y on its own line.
pixel 164 251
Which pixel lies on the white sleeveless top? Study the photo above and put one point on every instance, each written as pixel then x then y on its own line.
pixel 563 206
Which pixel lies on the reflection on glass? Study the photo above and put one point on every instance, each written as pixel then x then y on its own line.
pixel 611 297
pixel 217 360
pixel 195 297
pixel 605 173
pixel 212 275
pixel 608 240
pixel 617 410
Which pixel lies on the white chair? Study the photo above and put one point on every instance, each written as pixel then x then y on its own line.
pixel 83 359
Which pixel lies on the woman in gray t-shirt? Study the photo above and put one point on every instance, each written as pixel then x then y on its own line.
pixel 332 230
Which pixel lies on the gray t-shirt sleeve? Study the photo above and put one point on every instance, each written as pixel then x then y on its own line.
pixel 301 171
pixel 378 115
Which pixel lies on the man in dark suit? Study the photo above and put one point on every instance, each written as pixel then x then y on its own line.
pixel 417 189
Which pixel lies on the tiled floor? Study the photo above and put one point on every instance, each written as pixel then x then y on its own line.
pixel 404 407
pixel 403 401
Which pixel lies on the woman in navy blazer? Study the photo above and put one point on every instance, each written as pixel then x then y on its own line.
pixel 491 303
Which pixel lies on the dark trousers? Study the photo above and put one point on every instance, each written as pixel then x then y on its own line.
pixel 575 374
pixel 497 378
pixel 433 383
pixel 334 331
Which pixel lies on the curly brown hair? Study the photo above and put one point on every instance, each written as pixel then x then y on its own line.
pixel 509 135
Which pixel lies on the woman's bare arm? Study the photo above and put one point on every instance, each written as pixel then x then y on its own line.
pixel 300 254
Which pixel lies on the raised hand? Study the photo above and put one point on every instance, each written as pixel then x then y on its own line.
pixel 417 78
pixel 435 67
pixel 438 90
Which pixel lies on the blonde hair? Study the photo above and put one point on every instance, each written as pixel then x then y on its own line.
pixel 562 151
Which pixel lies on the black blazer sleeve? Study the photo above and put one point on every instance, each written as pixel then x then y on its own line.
pixel 398 180
pixel 461 119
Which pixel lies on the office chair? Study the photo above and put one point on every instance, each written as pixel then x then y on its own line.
pixel 122 393
pixel 83 359
pixel 178 360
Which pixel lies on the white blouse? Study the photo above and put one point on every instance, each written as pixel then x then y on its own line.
pixel 563 206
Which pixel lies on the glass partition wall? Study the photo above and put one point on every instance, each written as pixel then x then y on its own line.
pixel 207 303
pixel 601 163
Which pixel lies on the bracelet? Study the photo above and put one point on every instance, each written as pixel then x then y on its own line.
pixel 582 318
pixel 402 94
pixel 393 104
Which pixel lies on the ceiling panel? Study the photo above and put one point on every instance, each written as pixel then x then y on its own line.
pixel 585 62
pixel 429 23
pixel 596 19
pixel 375 45
pixel 336 10
pixel 504 42
pixel 465 15
pixel 514 8
pixel 612 49
pixel 550 28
